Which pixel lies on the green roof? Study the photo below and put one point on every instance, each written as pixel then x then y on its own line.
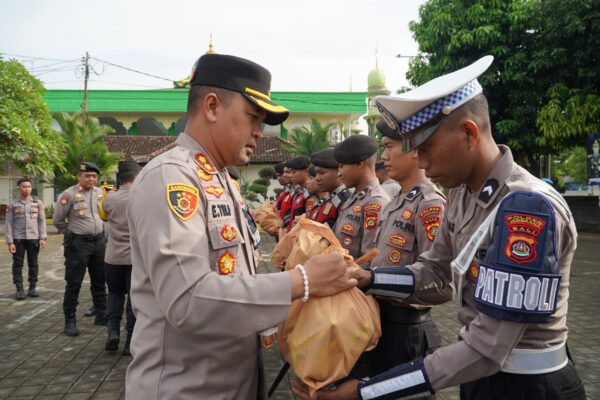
pixel 175 101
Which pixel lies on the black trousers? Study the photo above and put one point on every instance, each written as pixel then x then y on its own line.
pixel 563 384
pixel 118 279
pixel 32 248
pixel 81 252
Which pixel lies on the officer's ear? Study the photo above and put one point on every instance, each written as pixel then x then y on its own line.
pixel 210 105
pixel 472 133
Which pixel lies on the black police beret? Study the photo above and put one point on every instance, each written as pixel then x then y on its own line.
pixel 128 166
pixel 233 172
pixel 300 162
pixel 87 166
pixel 385 130
pixel 279 167
pixel 324 159
pixel 355 149
pixel 379 165
pixel 240 75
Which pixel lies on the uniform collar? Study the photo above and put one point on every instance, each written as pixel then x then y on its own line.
pixel 496 180
pixel 338 189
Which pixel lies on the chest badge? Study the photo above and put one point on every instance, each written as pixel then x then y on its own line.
pixel 397 240
pixel 347 241
pixel 215 191
pixel 228 233
pixel 357 208
pixel 395 256
pixel 226 263
pixel 182 199
pixel 327 208
pixel 407 215
pixel 347 228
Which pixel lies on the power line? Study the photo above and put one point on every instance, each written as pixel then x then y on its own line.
pixel 31 57
pixel 132 70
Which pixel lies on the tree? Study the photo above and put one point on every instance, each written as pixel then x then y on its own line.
pixel 523 36
pixel 307 140
pixel 85 142
pixel 26 137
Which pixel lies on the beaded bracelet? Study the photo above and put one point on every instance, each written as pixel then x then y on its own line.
pixel 305 279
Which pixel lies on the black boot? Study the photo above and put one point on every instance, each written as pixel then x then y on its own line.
pixel 90 312
pixel 100 317
pixel 112 342
pixel 32 292
pixel 71 328
pixel 126 350
pixel 20 295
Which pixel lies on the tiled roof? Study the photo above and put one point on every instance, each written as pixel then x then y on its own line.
pixel 144 148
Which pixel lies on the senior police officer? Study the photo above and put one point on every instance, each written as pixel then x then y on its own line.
pixel 326 168
pixel 198 300
pixel 25 232
pixel 76 216
pixel 508 237
pixel 113 210
pixel 359 215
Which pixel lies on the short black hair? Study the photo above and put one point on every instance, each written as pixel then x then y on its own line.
pixel 127 177
pixel 198 93
pixel 23 180
pixel 477 108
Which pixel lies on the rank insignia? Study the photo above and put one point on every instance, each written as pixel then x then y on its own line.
pixel 206 177
pixel 347 228
pixel 407 215
pixel 215 191
pixel 521 242
pixel 78 196
pixel 347 241
pixel 397 240
pixel 395 256
pixel 226 263
pixel 228 233
pixel 431 221
pixel 327 208
pixel 357 208
pixel 204 163
pixel 182 199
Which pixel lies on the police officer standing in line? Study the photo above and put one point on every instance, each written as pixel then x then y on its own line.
pixel 283 181
pixel 84 244
pixel 298 172
pixel 326 168
pixel 509 239
pixel 408 225
pixel 359 215
pixel 197 297
pixel 390 186
pixel 113 210
pixel 314 193
pixel 25 232
pixel 286 201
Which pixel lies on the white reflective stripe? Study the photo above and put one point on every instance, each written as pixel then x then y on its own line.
pixel 536 361
pixel 393 385
pixel 393 279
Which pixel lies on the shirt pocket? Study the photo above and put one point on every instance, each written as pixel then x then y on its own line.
pixel 400 247
pixel 79 205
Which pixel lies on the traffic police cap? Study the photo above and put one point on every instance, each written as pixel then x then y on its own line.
pixel 239 75
pixel 416 114
pixel 279 168
pixel 300 162
pixel 87 166
pixel 324 159
pixel 354 149
pixel 385 130
pixel 128 166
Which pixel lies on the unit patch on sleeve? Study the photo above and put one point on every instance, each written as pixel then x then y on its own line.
pixel 182 199
pixel 431 221
pixel 226 263
pixel 522 231
pixel 371 215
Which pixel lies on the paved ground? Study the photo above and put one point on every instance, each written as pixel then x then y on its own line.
pixel 38 362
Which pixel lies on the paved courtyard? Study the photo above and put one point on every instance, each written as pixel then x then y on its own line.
pixel 38 362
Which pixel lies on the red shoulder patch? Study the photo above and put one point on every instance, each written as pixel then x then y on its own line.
pixel 431 220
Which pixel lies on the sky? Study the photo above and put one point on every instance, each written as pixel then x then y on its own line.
pixel 308 45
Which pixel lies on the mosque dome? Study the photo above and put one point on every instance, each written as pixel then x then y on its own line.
pixel 376 78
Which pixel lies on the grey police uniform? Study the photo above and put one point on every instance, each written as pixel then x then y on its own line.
pixel 358 218
pixel 25 227
pixel 198 300
pixel 84 246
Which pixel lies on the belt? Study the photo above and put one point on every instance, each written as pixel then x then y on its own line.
pixel 403 315
pixel 88 238
pixel 536 361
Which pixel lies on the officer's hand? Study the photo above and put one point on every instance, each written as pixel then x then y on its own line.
pixel 328 275
pixel 346 391
pixel 363 276
pixel 42 244
pixel 12 248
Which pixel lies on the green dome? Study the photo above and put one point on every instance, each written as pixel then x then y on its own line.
pixel 376 78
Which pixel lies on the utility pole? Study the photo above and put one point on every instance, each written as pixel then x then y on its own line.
pixel 85 84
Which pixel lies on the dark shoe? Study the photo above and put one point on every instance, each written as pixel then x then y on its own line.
pixel 126 350
pixel 20 295
pixel 90 312
pixel 71 328
pixel 112 343
pixel 32 292
pixel 100 318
